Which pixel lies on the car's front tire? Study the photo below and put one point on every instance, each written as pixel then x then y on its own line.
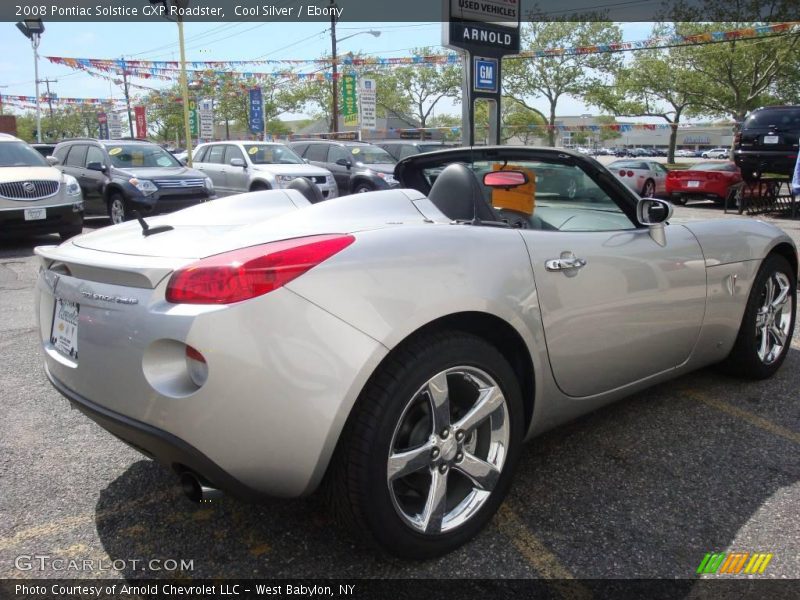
pixel 363 188
pixel 118 209
pixel 765 334
pixel 649 189
pixel 428 453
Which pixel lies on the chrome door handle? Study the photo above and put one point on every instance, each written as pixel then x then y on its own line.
pixel 562 264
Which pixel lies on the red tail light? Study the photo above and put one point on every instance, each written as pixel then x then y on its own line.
pixel 622 173
pixel 250 272
pixel 630 173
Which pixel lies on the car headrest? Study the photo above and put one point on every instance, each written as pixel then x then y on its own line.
pixel 308 189
pixel 458 194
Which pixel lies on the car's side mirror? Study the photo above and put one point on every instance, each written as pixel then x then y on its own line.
pixel 96 166
pixel 654 212
pixel 238 162
pixel 344 162
pixel 505 179
pixel 52 161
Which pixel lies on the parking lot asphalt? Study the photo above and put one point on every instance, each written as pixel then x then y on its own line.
pixel 643 488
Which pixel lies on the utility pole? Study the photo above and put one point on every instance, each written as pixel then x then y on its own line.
pixel 49 97
pixel 335 82
pixel 127 94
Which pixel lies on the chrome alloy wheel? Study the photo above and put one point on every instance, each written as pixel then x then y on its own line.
pixel 448 450
pixel 774 317
pixel 117 211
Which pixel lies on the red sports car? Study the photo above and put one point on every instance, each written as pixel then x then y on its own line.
pixel 702 181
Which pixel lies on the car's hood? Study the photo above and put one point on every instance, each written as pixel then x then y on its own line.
pixel 30 173
pixel 255 218
pixel 301 169
pixel 162 172
pixel 380 167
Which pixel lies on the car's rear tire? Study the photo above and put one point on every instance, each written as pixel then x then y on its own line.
pixel 363 187
pixel 259 187
pixel 679 200
pixel 399 456
pixel 765 334
pixel 119 210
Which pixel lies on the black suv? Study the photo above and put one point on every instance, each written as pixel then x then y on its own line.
pixel 767 141
pixel 120 176
pixel 402 148
pixel 356 166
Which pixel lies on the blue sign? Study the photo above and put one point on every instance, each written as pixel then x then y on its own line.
pixel 484 76
pixel 256 111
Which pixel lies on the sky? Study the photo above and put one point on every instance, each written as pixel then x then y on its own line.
pixel 212 41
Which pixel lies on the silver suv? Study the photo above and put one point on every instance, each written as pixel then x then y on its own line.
pixel 237 167
pixel 35 198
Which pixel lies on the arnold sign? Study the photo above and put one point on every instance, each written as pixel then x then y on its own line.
pixel 486 27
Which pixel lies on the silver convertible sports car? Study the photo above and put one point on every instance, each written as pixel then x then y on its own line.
pixel 397 347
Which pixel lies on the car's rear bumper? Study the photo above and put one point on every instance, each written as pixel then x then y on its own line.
pixel 283 375
pixel 61 218
pixel 782 161
pixel 694 194
pixel 169 450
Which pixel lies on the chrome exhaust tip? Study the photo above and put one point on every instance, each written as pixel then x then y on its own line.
pixel 198 490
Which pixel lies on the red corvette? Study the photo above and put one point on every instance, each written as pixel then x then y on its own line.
pixel 701 181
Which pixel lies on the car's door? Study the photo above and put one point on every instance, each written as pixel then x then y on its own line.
pixel 659 176
pixel 340 172
pixel 93 180
pixel 238 178
pixel 617 307
pixel 74 163
pixel 214 167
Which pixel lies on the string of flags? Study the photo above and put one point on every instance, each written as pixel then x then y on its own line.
pixel 155 68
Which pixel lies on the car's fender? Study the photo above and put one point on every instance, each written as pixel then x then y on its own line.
pixel 394 281
pixel 726 241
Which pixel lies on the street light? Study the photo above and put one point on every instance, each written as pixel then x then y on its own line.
pixel 334 71
pixel 33 30
pixel 182 5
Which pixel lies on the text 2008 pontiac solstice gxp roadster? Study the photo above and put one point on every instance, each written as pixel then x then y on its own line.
pixel 400 346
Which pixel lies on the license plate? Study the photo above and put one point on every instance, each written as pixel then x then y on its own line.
pixel 692 184
pixel 64 334
pixel 35 214
pixel 771 139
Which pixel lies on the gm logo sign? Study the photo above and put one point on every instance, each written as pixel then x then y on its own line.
pixel 484 75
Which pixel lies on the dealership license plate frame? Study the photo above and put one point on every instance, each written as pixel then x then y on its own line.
pixel 35 214
pixel 693 184
pixel 64 332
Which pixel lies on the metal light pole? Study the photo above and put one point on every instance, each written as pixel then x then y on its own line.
pixel 33 30
pixel 334 66
pixel 181 4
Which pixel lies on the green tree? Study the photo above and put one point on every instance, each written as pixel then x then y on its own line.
pixel 559 75
pixel 413 92
pixel 734 77
pixel 655 83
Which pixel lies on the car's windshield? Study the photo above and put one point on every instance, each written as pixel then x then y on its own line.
pixel 627 164
pixel 557 196
pixel 19 154
pixel 782 118
pixel 717 166
pixel 127 156
pixel 271 154
pixel 371 155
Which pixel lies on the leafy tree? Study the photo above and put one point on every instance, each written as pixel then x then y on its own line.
pixel 559 75
pixel 737 76
pixel 413 91
pixel 655 83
